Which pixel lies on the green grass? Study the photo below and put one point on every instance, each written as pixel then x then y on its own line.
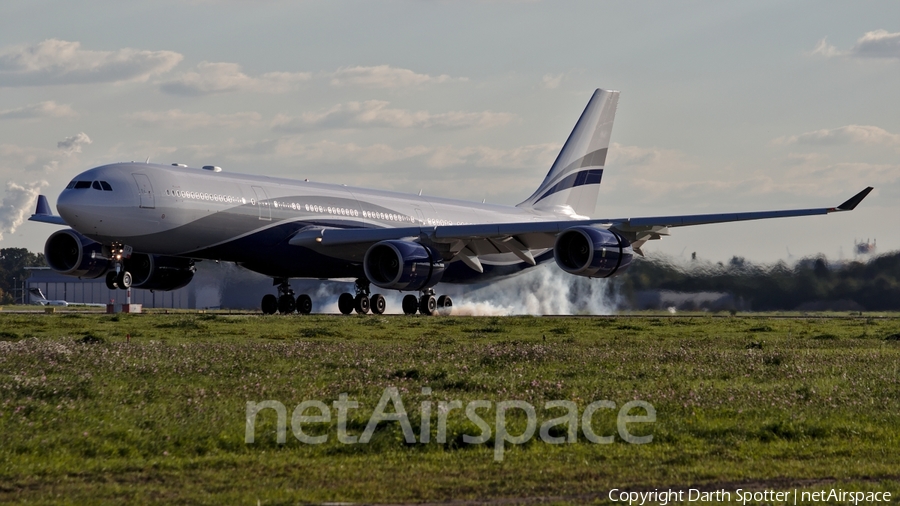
pixel 89 415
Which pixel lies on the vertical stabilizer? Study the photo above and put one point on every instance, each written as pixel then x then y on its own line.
pixel 574 178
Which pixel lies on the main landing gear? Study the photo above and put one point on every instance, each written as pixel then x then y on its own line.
pixel 118 278
pixel 362 302
pixel 285 303
pixel 427 304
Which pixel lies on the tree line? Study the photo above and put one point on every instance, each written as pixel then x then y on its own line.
pixel 873 285
pixel 13 262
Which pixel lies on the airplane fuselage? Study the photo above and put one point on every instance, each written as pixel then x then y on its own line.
pixel 247 219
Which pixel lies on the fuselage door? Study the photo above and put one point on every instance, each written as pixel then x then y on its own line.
pixel 145 189
pixel 262 202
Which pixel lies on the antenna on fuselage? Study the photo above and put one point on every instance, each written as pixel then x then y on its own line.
pixel 420 192
pixel 148 160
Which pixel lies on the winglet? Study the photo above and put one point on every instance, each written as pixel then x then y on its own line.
pixel 44 214
pixel 854 201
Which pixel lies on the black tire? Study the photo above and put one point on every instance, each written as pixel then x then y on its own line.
pixel 361 304
pixel 346 303
pixel 304 304
pixel 269 304
pixel 111 280
pixel 410 304
pixel 445 305
pixel 427 305
pixel 124 280
pixel 377 303
pixel 286 304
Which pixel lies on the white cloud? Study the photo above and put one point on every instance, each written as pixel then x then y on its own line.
pixel 385 76
pixel 17 204
pixel 878 44
pixel 72 145
pixel 530 156
pixel 551 82
pixel 54 62
pixel 634 155
pixel 376 113
pixel 823 48
pixel 874 44
pixel 14 159
pixel 850 134
pixel 176 118
pixel 213 78
pixel 48 109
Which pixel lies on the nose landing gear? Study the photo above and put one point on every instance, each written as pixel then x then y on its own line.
pixel 118 278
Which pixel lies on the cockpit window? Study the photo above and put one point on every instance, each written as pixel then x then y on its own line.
pixel 96 185
pixel 81 185
pixel 106 186
pixel 71 185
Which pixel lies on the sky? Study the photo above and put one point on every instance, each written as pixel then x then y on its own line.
pixel 724 106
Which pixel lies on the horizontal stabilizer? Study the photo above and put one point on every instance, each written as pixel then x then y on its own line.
pixel 44 214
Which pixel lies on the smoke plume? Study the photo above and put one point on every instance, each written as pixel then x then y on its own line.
pixel 17 204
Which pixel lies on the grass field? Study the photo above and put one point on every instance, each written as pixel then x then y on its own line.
pixel 88 415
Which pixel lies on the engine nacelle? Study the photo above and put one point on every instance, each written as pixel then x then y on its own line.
pixel 155 272
pixel 403 265
pixel 592 252
pixel 70 253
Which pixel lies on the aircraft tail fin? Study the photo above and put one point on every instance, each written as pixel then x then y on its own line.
pixel 574 178
pixel 37 293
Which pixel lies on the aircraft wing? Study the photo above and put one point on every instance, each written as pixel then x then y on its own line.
pixel 468 242
pixel 44 214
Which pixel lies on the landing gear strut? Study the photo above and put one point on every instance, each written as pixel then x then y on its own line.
pixel 362 302
pixel 118 278
pixel 427 303
pixel 285 303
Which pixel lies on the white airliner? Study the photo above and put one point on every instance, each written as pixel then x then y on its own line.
pixel 41 300
pixel 144 225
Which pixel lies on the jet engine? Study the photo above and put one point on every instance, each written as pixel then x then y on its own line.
pixel 403 265
pixel 155 272
pixel 592 252
pixel 72 254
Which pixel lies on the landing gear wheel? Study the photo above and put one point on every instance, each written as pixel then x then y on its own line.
pixel 427 305
pixel 445 305
pixel 361 304
pixel 111 280
pixel 377 303
pixel 346 303
pixel 124 280
pixel 304 304
pixel 269 304
pixel 410 304
pixel 286 304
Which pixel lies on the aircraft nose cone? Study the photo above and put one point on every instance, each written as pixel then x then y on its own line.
pixel 65 204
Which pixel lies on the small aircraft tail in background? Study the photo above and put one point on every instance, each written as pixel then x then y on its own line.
pixel 38 298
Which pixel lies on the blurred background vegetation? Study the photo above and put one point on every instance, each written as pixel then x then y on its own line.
pixel 13 273
pixel 872 285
